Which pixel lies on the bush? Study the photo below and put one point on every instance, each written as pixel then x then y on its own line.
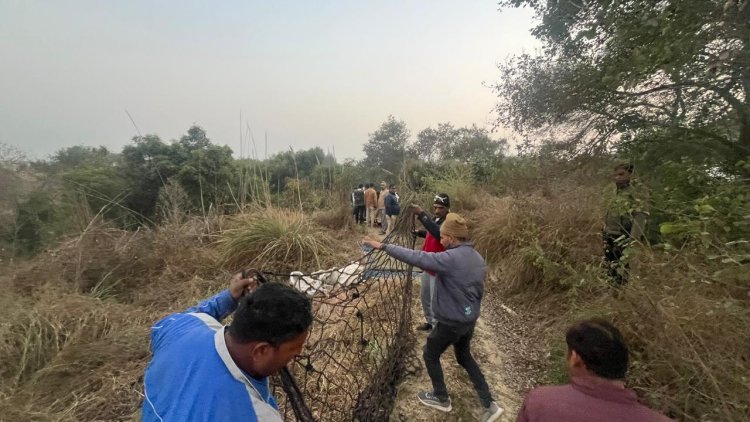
pixel 541 242
pixel 103 188
pixel 459 184
pixel 39 220
pixel 700 207
pixel 275 239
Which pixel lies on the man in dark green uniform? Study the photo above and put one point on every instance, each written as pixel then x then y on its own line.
pixel 624 223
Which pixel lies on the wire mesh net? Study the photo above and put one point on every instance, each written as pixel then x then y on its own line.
pixel 360 344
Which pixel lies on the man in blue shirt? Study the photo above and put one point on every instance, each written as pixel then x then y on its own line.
pixel 204 371
pixel 392 208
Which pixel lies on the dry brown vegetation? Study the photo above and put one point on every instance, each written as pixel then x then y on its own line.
pixel 75 344
pixel 686 316
pixel 74 338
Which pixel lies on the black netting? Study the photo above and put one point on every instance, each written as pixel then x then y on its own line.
pixel 361 343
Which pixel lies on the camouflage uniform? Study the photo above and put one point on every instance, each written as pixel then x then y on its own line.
pixel 624 223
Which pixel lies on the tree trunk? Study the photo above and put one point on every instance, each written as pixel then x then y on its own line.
pixel 744 114
pixel 744 66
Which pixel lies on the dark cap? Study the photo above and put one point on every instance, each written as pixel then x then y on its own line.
pixel 442 199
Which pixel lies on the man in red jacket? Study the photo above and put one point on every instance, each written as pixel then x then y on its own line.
pixel 431 234
pixel 597 362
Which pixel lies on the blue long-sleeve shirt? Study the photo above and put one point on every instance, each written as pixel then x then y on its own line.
pixel 192 377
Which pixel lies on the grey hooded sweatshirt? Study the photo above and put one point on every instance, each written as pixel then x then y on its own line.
pixel 459 286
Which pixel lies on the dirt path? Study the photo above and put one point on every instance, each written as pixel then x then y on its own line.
pixel 504 351
pixel 503 345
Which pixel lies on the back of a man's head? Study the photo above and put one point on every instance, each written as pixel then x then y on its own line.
pixel 274 313
pixel 601 347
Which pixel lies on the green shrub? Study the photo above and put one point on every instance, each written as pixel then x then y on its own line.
pixel 39 220
pixel 698 206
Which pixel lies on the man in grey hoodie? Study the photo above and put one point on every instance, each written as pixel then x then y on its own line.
pixel 458 290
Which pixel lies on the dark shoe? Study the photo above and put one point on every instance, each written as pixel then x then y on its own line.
pixel 430 400
pixel 424 327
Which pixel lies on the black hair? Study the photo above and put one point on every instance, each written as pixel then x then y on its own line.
pixel 625 166
pixel 274 312
pixel 391 186
pixel 359 186
pixel 601 347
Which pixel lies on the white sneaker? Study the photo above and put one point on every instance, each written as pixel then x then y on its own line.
pixel 491 413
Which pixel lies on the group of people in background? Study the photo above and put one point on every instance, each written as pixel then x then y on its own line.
pixel 376 208
pixel 229 366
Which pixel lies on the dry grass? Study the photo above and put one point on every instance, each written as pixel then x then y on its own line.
pixel 111 263
pixel 339 218
pixel 71 357
pixel 539 241
pixel 74 333
pixel 281 239
pixel 75 338
pixel 457 183
pixel 690 337
pixel 684 315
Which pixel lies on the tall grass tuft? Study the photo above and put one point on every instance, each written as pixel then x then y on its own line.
pixel 540 241
pixel 458 183
pixel 276 239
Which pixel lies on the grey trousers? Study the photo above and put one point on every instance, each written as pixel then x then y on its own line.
pixel 427 296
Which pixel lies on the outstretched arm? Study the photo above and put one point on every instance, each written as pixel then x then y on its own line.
pixel 424 260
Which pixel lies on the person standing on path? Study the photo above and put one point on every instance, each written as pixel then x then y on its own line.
pixel 358 204
pixel 460 272
pixel 431 234
pixel 371 204
pixel 597 362
pixel 381 207
pixel 392 208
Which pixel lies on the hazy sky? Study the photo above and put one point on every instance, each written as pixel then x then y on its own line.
pixel 322 73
